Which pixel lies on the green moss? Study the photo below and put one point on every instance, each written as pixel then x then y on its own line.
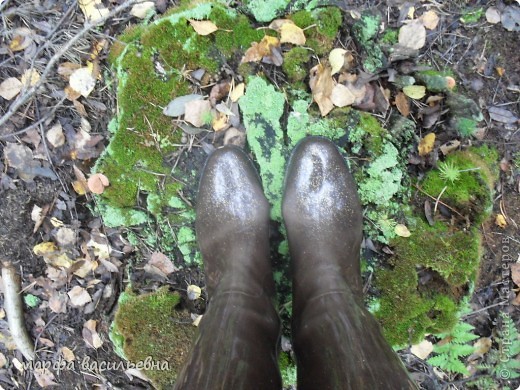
pixel 287 369
pixel 410 308
pixel 151 326
pixel 329 21
pixel 295 63
pixel 471 194
pixel 321 37
pixel 472 16
pixel 390 37
pixel 465 127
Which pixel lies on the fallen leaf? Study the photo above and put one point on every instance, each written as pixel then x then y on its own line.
pixel 502 115
pixel 515 273
pixel 99 244
pixel 259 50
pixel 500 221
pixel 80 185
pixel 237 92
pixel 341 96
pixel 492 15
pixel 422 350
pixel 45 248
pixel 291 33
pixel 3 360
pixel 449 146
pixel 430 19
pixel 197 319
pixel 198 112
pixel 82 81
pixel 97 183
pixel 426 144
pixel 65 237
pixel 58 302
pixel 30 77
pixel 79 296
pixel 482 346
pixel 141 10
pixel 234 136
pixel 220 122
pixel 55 135
pixel 56 222
pixel 412 35
pixel 94 10
pixel 337 59
pixel 203 27
pixel 500 71
pixel 403 104
pixel 193 292
pixel 44 377
pixel 415 91
pixel 162 262
pixel 22 39
pixel 510 18
pixel 177 106
pixel 90 335
pixel 65 69
pixel 10 87
pixel 278 23
pixel 402 231
pixel 321 84
pixel 67 354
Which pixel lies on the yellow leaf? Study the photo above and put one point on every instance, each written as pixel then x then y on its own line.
pixel 402 231
pixel 237 92
pixel 203 27
pixel 220 122
pixel 259 50
pixel 321 84
pixel 79 187
pixel 82 81
pixel 415 91
pixel 337 59
pixel 45 248
pixel 22 39
pixel 291 33
pixel 30 77
pixel 93 10
pixel 500 221
pixel 430 20
pixel 426 144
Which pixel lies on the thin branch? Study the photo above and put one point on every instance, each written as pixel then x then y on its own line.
pixel 23 98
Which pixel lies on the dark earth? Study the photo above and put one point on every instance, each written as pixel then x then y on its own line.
pixel 474 53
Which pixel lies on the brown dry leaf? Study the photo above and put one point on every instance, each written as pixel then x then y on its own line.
pixel 55 135
pixel 403 104
pixel 90 335
pixel 82 81
pixel 79 296
pixel 449 146
pixel 482 346
pixel 198 112
pixel 93 10
pixel 203 27
pixel 291 33
pixel 422 350
pixel 44 377
pixel 80 185
pixel 426 144
pixel 10 87
pixel 141 10
pixel 341 96
pixel 97 183
pixel 430 19
pixel 412 35
pixel 162 262
pixel 67 354
pixel 58 302
pixel 22 39
pixel 259 50
pixel 401 230
pixel 321 84
pixel 500 221
pixel 515 273
pixel 71 93
pixel 237 92
pixel 83 268
pixel 278 23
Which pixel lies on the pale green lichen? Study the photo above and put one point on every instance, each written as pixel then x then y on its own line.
pixel 266 10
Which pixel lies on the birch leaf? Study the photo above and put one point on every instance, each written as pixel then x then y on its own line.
pixel 412 35
pixel 203 27
pixel 402 231
pixel 337 59
pixel 415 91
pixel 291 33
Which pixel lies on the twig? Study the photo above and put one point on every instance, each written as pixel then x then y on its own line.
pixel 14 310
pixel 23 98
pixel 444 204
pixel 439 199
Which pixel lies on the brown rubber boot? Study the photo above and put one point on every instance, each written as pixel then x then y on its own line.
pixel 236 347
pixel 337 342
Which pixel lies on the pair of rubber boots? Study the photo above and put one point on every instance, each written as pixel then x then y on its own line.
pixel 337 343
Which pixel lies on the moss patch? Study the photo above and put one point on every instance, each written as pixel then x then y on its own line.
pixel 151 327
